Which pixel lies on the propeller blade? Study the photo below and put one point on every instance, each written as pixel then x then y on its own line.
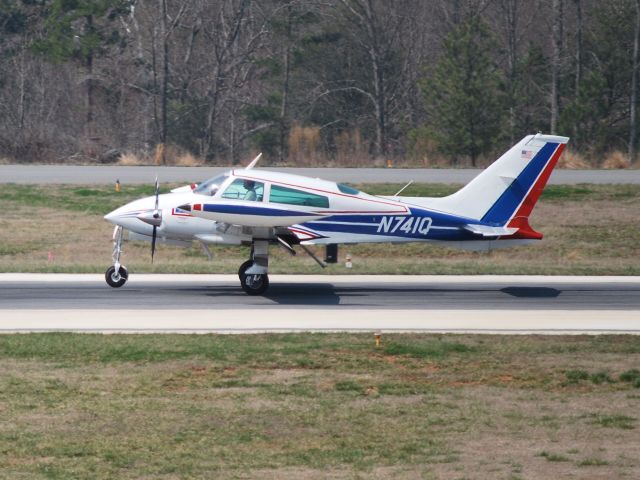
pixel 157 193
pixel 157 220
pixel 153 242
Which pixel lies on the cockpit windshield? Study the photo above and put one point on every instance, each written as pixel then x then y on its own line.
pixel 211 186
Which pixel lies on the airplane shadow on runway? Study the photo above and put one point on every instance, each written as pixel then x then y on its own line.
pixel 304 294
pixel 328 294
pixel 285 294
pixel 531 292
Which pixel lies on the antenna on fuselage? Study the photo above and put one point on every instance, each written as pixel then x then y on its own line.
pixel 253 162
pixel 402 189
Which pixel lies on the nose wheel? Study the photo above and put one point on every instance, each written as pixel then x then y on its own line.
pixel 118 278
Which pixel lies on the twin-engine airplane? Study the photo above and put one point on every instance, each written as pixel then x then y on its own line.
pixel 260 208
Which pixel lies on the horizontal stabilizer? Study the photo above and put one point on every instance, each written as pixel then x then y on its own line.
pixel 487 231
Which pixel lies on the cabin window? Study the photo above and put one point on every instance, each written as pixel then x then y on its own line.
pixel 291 196
pixel 347 189
pixel 242 189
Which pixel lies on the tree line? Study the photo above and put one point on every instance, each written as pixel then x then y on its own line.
pixel 316 81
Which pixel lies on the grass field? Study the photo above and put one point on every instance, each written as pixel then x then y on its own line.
pixel 589 229
pixel 296 406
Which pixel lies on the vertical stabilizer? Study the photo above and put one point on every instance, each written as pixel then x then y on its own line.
pixel 505 193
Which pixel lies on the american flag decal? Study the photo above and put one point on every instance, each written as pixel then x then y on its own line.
pixel 526 154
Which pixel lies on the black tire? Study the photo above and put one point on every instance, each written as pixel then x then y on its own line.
pixel 243 268
pixel 116 281
pixel 255 284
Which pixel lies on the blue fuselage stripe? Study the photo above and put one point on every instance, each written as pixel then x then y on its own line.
pixel 249 210
pixel 421 224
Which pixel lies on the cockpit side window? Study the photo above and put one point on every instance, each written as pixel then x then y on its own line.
pixel 241 189
pixel 211 186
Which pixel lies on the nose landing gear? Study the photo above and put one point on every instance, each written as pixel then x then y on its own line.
pixel 115 278
pixel 117 275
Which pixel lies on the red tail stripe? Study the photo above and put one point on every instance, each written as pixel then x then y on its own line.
pixel 531 199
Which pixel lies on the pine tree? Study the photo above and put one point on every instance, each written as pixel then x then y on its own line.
pixel 529 100
pixel 463 95
pixel 598 116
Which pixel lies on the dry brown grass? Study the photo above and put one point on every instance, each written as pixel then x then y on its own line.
pixel 573 161
pixel 304 144
pixel 187 159
pixel 131 159
pixel 173 155
pixel 351 150
pixel 616 160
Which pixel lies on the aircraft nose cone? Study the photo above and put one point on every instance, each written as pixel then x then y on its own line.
pixel 122 215
pixel 112 216
pixel 128 216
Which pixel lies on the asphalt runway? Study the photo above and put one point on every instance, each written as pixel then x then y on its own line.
pixel 210 303
pixel 83 175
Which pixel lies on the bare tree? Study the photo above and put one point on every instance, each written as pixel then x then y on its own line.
pixel 555 63
pixel 634 87
pixel 377 29
pixel 579 22
pixel 231 47
pixel 510 16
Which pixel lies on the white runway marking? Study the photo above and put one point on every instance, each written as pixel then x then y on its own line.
pixel 291 320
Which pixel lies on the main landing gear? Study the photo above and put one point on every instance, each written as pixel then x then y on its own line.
pixel 253 273
pixel 255 284
pixel 117 275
